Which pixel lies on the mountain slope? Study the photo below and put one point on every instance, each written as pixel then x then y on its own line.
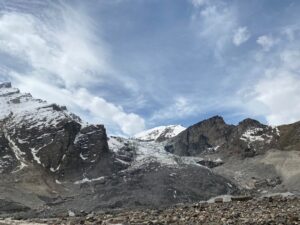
pixel 160 133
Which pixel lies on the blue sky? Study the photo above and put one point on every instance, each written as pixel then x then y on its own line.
pixel 137 64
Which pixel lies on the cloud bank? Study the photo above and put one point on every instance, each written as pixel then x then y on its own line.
pixel 66 60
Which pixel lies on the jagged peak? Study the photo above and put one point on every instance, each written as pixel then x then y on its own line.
pixel 248 122
pixel 216 118
pixel 212 121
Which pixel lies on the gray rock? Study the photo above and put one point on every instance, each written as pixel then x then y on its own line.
pixel 8 206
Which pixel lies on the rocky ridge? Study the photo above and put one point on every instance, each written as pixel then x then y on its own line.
pixel 247 139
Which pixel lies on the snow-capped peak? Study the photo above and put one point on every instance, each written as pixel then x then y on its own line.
pixel 160 133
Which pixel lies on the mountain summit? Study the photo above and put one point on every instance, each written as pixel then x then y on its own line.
pixel 160 133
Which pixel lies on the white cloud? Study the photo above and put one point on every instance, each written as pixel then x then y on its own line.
pixel 215 22
pixel 290 59
pixel 99 107
pixel 266 42
pixel 240 36
pixel 218 23
pixel 64 54
pixel 276 95
pixel 81 99
pixel 199 3
pixel 66 60
pixel 281 96
pixel 181 107
pixel 291 32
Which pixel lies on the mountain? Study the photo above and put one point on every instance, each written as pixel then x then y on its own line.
pixel 160 133
pixel 52 162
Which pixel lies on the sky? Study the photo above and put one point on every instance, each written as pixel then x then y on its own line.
pixel 136 64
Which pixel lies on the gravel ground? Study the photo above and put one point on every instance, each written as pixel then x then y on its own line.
pixel 270 210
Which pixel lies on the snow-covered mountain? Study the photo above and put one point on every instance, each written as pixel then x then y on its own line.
pixel 46 135
pixel 160 133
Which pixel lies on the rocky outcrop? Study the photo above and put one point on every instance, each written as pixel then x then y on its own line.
pixel 8 161
pixel 248 138
pixel 201 137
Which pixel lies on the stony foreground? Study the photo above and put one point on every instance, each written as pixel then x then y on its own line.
pixel 272 210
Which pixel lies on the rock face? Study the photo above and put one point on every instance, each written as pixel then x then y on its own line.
pixel 289 136
pixel 34 132
pixel 213 135
pixel 10 207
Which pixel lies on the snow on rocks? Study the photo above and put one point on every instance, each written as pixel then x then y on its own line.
pixel 23 109
pixel 31 125
pixel 87 180
pixel 116 143
pixel 252 135
pixel 265 135
pixel 18 153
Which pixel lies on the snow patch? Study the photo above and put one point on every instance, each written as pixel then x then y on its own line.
pixel 277 131
pixel 82 157
pixel 54 170
pixel 256 135
pixel 87 180
pixel 34 153
pixel 57 181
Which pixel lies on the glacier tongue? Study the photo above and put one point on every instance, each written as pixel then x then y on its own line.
pixel 146 152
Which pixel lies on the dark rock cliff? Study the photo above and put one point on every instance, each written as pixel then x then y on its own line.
pixel 248 138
